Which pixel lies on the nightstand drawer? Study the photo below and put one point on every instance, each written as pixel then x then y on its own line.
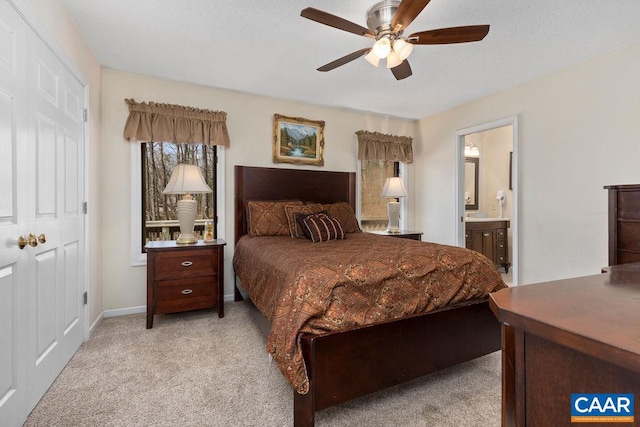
pixel 189 294
pixel 179 264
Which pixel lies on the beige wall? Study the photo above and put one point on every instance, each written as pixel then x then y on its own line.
pixel 51 15
pixel 578 131
pixel 494 146
pixel 250 127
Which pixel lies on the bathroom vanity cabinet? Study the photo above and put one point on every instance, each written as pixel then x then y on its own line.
pixel 624 223
pixel 489 237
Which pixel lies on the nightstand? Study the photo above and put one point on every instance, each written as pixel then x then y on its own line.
pixel 184 277
pixel 403 234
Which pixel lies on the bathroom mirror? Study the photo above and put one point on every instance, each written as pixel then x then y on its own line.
pixel 471 173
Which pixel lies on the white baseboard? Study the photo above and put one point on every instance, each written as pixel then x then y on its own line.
pixel 133 310
pixel 125 311
pixel 95 324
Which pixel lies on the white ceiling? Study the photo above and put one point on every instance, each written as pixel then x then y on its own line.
pixel 266 48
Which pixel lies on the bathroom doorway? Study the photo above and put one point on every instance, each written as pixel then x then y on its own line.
pixel 487 186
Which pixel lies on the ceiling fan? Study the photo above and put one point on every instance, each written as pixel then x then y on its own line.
pixel 386 21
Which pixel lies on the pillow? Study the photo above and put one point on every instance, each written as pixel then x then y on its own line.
pixel 320 227
pixel 268 218
pixel 295 230
pixel 343 212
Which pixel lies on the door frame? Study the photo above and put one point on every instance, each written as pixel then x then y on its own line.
pixel 24 10
pixel 459 192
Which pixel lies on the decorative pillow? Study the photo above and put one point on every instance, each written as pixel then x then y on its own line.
pixel 268 218
pixel 343 212
pixel 291 210
pixel 320 227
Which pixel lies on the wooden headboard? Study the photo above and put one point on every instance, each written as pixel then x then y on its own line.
pixel 255 183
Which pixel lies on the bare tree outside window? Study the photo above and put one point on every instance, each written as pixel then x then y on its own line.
pixel 159 217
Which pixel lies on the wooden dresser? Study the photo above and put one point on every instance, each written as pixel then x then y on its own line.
pixel 568 336
pixel 624 223
pixel 489 237
pixel 184 277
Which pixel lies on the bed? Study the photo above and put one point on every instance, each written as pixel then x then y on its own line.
pixel 343 363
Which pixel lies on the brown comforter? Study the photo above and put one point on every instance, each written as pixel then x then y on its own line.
pixel 302 286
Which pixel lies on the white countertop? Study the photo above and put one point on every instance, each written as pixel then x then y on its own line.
pixel 485 219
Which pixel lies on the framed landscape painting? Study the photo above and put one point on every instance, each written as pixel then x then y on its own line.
pixel 297 140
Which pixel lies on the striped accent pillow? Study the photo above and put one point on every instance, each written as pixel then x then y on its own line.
pixel 320 227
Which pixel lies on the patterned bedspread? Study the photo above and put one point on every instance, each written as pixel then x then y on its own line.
pixel 305 287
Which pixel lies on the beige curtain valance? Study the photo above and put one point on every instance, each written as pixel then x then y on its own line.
pixel 380 146
pixel 152 122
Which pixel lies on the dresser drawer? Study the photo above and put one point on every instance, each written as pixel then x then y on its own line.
pixel 186 294
pixel 501 234
pixel 180 264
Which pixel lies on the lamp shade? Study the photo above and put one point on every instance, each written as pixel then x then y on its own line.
pixel 382 47
pixel 402 48
pixel 394 187
pixel 393 60
pixel 186 179
pixel 372 58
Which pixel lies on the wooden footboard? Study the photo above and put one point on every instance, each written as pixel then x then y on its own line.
pixel 346 365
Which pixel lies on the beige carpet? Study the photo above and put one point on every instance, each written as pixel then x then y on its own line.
pixel 194 369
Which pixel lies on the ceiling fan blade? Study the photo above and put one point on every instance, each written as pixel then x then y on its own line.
pixel 407 12
pixel 471 33
pixel 402 71
pixel 335 22
pixel 344 60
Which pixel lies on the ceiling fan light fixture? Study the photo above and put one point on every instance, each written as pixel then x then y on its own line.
pixel 372 58
pixel 402 48
pixel 393 60
pixel 382 47
pixel 387 21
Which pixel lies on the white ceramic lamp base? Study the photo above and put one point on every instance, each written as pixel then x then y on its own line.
pixel 393 211
pixel 187 209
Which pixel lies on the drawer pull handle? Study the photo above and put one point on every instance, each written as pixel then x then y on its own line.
pixel 186 291
pixel 486 234
pixel 187 263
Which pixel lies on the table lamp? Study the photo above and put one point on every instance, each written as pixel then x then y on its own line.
pixel 394 188
pixel 187 180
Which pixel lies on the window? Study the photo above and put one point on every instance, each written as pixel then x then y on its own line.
pixel 373 208
pixel 158 211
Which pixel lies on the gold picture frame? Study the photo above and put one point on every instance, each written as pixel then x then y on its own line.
pixel 298 140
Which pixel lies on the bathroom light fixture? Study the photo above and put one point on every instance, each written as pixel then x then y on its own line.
pixel 394 188
pixel 471 150
pixel 186 179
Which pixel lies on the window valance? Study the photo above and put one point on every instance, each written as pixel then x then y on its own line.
pixel 152 122
pixel 380 146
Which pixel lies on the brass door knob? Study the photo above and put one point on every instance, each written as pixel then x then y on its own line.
pixel 30 240
pixel 42 238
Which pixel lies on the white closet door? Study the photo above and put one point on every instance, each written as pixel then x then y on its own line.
pixel 14 263
pixel 41 285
